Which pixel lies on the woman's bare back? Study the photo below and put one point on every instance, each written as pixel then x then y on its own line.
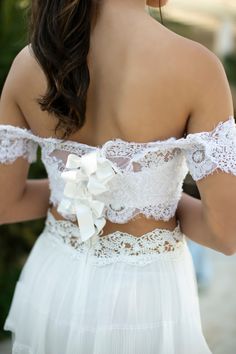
pixel 141 89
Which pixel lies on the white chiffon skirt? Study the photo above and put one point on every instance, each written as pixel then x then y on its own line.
pixel 120 295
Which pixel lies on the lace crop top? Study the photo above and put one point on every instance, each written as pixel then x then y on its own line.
pixel 119 180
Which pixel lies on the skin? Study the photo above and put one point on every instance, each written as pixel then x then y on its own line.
pixel 147 83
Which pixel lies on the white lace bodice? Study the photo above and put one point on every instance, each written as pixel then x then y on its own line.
pixel 148 176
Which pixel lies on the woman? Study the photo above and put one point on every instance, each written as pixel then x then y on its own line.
pixel 122 109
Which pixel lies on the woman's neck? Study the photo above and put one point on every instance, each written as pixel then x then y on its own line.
pixel 116 5
pixel 113 14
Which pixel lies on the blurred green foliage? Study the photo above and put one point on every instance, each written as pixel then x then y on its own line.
pixel 16 240
pixel 230 67
pixel 13 32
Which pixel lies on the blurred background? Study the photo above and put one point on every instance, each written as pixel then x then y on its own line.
pixel 210 22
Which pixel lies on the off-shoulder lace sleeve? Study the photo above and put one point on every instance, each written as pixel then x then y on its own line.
pixel 16 142
pixel 208 151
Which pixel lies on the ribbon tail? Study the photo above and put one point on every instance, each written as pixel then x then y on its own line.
pixel 100 223
pixel 86 222
pixel 73 161
pixel 97 208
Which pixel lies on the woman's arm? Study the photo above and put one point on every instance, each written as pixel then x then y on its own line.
pixel 210 221
pixel 21 199
pixel 33 204
pixel 194 225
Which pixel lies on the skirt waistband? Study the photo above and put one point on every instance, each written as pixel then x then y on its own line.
pixel 116 246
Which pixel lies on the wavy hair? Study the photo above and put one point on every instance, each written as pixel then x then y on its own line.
pixel 60 39
pixel 160 11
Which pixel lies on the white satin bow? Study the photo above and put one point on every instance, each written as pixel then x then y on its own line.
pixel 86 177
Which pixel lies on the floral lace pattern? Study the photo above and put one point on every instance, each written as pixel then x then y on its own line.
pixel 117 246
pixel 151 174
pixel 213 150
pixel 124 200
pixel 13 146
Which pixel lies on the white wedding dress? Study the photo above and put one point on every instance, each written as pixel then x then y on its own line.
pixel 80 293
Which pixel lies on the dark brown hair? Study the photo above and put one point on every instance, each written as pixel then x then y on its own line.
pixel 160 10
pixel 60 39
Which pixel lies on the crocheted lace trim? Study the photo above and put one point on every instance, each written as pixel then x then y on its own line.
pixel 117 246
pixel 204 151
pixel 213 151
pixel 16 142
pixel 152 173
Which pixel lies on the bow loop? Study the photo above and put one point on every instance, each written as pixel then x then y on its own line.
pixel 73 161
pixel 85 178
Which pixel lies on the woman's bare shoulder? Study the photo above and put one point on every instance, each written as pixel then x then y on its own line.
pixel 25 74
pixel 189 53
pixel 25 62
pixel 181 59
pixel 196 66
pixel 25 83
pixel 205 83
